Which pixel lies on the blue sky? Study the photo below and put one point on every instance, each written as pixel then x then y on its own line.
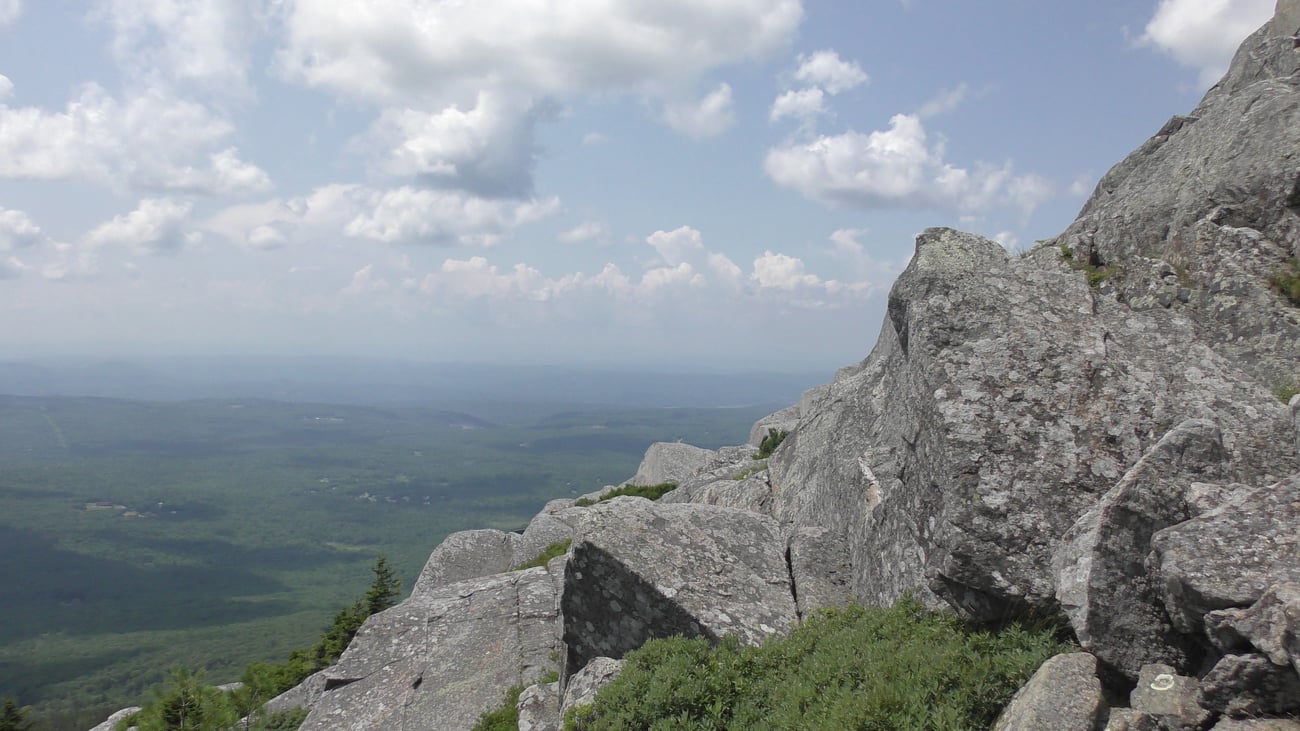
pixel 694 184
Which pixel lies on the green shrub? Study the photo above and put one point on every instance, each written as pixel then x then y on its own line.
pixel 650 492
pixel 504 717
pixel 1095 273
pixel 185 703
pixel 902 669
pixel 1287 281
pixel 1286 389
pixel 287 720
pixel 548 553
pixel 771 442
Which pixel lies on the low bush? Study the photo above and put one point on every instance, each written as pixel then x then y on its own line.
pixel 650 492
pixel 1287 282
pixel 548 553
pixel 771 442
pixel 902 668
pixel 505 717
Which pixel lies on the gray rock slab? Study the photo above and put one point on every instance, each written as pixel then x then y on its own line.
pixel 671 462
pixel 1173 699
pixel 303 695
pixel 751 492
pixel 820 567
pixel 110 724
pixel 539 708
pixel 1249 686
pixel 439 659
pixel 465 555
pixel 582 686
pixel 1229 556
pixel 1270 626
pixel 1101 580
pixel 1063 695
pixel 784 420
pixel 1256 724
pixel 551 525
pixel 640 570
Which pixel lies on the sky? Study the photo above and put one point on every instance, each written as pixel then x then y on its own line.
pixel 701 185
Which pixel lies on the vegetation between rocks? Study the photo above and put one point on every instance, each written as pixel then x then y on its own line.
pixel 1286 389
pixel 1094 272
pixel 771 442
pixel 505 717
pixel 555 549
pixel 1287 281
pixel 650 492
pixel 903 668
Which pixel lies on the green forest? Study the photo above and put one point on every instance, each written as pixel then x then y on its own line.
pixel 137 538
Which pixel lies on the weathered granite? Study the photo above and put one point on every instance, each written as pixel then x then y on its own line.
pixel 539 708
pixel 1256 724
pixel 1102 583
pixel 1270 626
pixel 1063 695
pixel 670 462
pixel 1248 686
pixel 820 568
pixel 784 420
pixel 1229 556
pixel 440 658
pixel 640 569
pixel 751 492
pixel 110 724
pixel 303 695
pixel 553 524
pixel 582 686
pixel 467 554
pixel 1167 697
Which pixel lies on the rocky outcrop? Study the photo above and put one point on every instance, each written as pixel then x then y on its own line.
pixel 439 659
pixel 640 570
pixel 582 687
pixel 1270 626
pixel 670 462
pixel 1064 695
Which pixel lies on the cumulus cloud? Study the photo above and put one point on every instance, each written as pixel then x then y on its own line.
pixel 678 246
pixel 402 214
pixel 780 271
pixel 801 104
pixel 585 231
pixel 896 167
pixel 6 88
pixel 203 43
pixel 17 230
pixel 827 70
pixel 365 281
pixel 487 148
pixel 1204 34
pixel 709 117
pixel 157 225
pixel 943 102
pixel 149 140
pixel 11 268
pixel 9 11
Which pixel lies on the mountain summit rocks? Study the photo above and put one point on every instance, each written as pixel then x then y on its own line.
pixel 1087 433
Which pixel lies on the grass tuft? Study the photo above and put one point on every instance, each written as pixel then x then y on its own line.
pixel 548 553
pixel 1287 282
pixel 649 492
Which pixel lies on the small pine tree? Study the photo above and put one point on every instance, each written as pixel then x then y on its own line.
pixel 12 717
pixel 185 704
pixel 384 589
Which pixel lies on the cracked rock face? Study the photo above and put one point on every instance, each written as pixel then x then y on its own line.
pixel 641 570
pixel 439 659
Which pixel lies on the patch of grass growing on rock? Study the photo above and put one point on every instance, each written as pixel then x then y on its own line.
pixel 548 553
pixel 505 717
pixel 770 442
pixel 902 668
pixel 1287 281
pixel 1095 273
pixel 650 492
pixel 1286 389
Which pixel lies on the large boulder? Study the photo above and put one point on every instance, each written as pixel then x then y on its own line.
pixel 640 570
pixel 1102 582
pixel 670 462
pixel 1249 686
pixel 1063 695
pixel 439 659
pixel 1270 626
pixel 467 554
pixel 1230 556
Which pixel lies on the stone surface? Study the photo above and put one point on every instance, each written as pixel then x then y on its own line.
pixel 439 659
pixel 752 492
pixel 551 525
pixel 784 420
pixel 1063 695
pixel 640 570
pixel 1102 583
pixel 539 708
pixel 1231 555
pixel 1170 698
pixel 819 565
pixel 303 695
pixel 1270 626
pixel 1256 724
pixel 467 554
pixel 110 724
pixel 670 462
pixel 1250 686
pixel 583 685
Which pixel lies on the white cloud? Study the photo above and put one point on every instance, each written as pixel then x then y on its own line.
pixel 9 11
pixel 6 88
pixel 1205 33
pixel 709 117
pixel 364 281
pixel 585 231
pixel 943 102
pixel 149 141
pixel 895 168
pixel 17 230
pixel 11 268
pixel 780 271
pixel 414 214
pixel 488 148
pixel 827 70
pixel 678 246
pixel 802 104
pixel 594 138
pixel 203 43
pixel 845 241
pixel 266 237
pixel 1008 240
pixel 156 225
